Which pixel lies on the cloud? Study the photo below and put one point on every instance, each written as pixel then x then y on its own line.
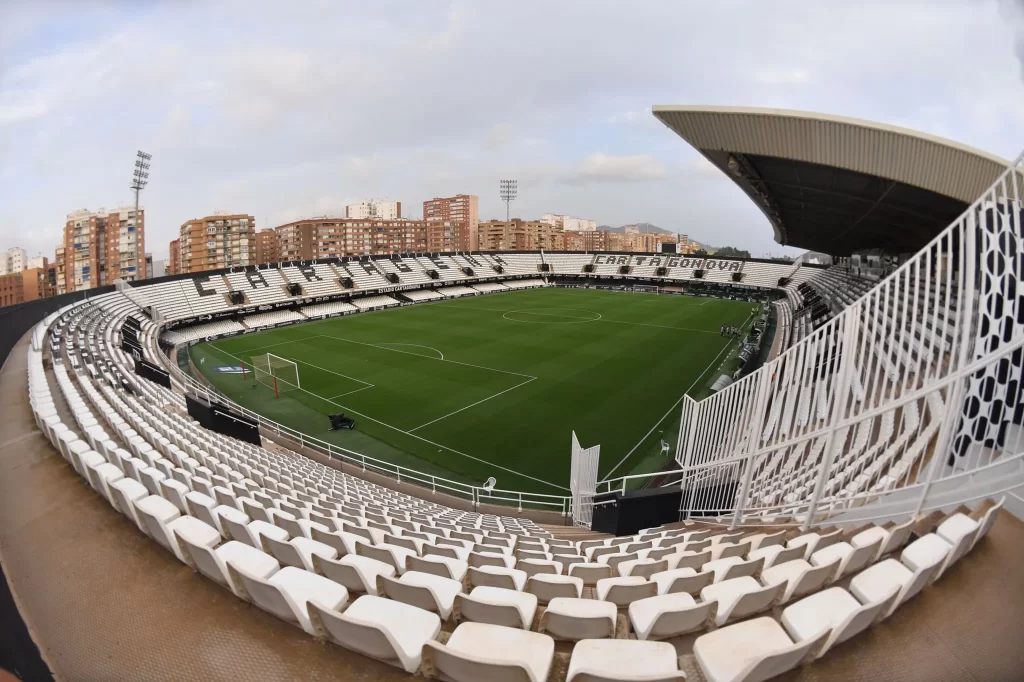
pixel 604 168
pixel 301 107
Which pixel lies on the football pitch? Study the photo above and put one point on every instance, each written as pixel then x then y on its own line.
pixel 494 385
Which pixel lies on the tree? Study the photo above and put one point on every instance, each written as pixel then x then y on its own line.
pixel 700 253
pixel 732 252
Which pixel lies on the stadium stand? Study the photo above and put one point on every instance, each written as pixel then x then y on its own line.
pixel 197 494
pixel 317 279
pixel 457 291
pixel 327 309
pixel 185 298
pixel 849 486
pixel 272 318
pixel 259 286
pixel 374 302
pixel 419 295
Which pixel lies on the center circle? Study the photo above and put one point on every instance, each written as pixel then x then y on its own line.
pixel 552 315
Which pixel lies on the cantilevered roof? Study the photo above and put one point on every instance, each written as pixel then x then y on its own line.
pixel 836 184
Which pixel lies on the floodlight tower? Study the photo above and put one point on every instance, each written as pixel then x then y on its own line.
pixel 508 191
pixel 140 178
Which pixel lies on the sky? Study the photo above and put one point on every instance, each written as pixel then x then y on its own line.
pixel 291 110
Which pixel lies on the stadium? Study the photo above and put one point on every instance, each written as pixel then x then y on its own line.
pixel 549 465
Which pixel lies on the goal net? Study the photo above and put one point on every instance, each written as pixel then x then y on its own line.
pixel 275 372
pixel 644 289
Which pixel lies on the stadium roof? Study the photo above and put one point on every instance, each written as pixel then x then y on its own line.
pixel 835 184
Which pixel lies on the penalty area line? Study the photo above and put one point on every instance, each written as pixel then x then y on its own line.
pixel 413 435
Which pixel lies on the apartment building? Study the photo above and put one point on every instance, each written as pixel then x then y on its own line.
pixel 174 257
pixel 103 246
pixel 28 284
pixel 568 223
pixel 217 241
pixel 374 209
pixel 452 223
pixel 60 283
pixel 12 261
pixel 519 235
pixel 266 246
pixel 332 237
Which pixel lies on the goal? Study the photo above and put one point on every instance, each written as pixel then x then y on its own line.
pixel 645 289
pixel 276 372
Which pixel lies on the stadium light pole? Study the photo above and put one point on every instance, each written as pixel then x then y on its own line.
pixel 508 189
pixel 140 178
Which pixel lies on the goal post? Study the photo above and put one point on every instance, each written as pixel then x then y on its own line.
pixel 645 289
pixel 275 372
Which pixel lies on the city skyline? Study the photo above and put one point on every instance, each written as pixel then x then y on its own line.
pixel 261 130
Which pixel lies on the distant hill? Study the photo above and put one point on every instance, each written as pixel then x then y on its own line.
pixel 644 227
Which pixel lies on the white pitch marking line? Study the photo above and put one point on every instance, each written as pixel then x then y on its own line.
pixel 674 405
pixel 301 362
pixel 469 406
pixel 413 435
pixel 349 392
pixel 413 345
pixel 405 352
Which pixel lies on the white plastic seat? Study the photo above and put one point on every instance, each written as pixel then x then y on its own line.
pixel 624 660
pixel 125 493
pixel 359 574
pixel 497 576
pixel 438 565
pixel 623 591
pixel 682 580
pixel 670 615
pixel 287 593
pixel 391 554
pixel 386 630
pixel 834 609
pixel 892 538
pixel 532 567
pixel 253 532
pixel 751 651
pixel 497 606
pixel 930 549
pixel 299 551
pixel 776 554
pixel 849 559
pixel 105 475
pixel 213 562
pixel 175 491
pixel 480 559
pixel 424 590
pixel 876 583
pixel 799 577
pixel 481 651
pixel 160 519
pixel 644 568
pixel 741 597
pixel 811 542
pixel 761 540
pixel 576 619
pixel 590 573
pixel 548 586
pixel 734 567
pixel 689 559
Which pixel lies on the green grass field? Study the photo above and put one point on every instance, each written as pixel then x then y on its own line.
pixel 494 385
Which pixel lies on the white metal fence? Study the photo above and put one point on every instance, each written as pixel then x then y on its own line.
pixel 906 397
pixel 583 481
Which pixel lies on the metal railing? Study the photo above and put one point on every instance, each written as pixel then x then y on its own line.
pixel 911 389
